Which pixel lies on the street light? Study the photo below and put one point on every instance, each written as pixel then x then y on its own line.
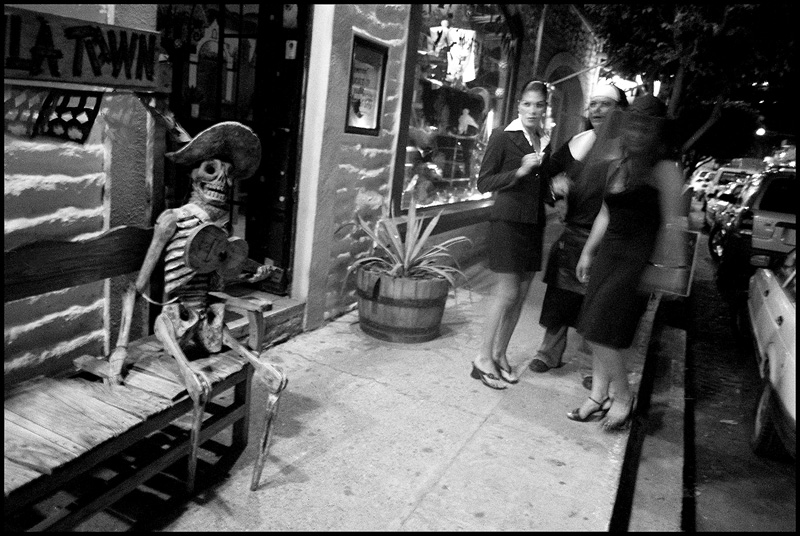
pixel 761 131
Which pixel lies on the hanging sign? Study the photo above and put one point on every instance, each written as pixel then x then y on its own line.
pixel 40 46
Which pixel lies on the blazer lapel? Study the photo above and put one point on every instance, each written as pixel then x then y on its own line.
pixel 520 141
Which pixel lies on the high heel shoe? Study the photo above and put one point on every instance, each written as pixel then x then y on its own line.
pixel 615 426
pixel 599 413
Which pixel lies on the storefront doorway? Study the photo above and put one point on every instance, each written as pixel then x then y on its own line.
pixel 244 62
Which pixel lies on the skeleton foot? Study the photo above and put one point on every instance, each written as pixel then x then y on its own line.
pixel 197 385
pixel 266 435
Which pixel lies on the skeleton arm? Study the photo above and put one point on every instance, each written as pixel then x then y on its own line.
pixel 166 226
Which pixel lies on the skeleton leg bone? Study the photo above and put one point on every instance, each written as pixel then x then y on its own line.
pixel 275 382
pixel 197 385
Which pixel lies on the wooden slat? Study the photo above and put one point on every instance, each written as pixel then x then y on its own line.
pixel 15 476
pixel 31 450
pixel 161 365
pixel 218 366
pixel 62 442
pixel 72 398
pixel 45 266
pixel 134 402
pixel 48 412
pixel 168 389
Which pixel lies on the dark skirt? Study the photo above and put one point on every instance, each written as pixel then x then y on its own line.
pixel 613 305
pixel 514 247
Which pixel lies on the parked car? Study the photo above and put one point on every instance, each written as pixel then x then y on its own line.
pixel 718 232
pixel 732 195
pixel 725 216
pixel 763 230
pixel 721 179
pixel 699 181
pixel 772 311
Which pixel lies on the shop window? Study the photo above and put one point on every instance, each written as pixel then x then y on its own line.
pixel 461 85
pixel 219 42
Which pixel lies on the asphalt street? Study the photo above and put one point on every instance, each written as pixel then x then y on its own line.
pixel 729 488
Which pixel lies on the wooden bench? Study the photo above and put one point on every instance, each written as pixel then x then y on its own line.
pixel 74 446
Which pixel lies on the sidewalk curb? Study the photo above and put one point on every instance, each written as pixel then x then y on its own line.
pixel 650 496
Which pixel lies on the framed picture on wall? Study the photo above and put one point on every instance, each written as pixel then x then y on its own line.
pixel 365 90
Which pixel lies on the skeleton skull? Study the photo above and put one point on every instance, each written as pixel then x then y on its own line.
pixel 211 182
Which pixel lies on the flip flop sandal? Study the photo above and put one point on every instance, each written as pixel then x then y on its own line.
pixel 478 374
pixel 507 375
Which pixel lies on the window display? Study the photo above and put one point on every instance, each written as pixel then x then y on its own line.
pixel 460 87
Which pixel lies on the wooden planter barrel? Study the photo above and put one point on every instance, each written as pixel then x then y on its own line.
pixel 399 309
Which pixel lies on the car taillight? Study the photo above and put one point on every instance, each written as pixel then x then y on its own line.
pixel 745 226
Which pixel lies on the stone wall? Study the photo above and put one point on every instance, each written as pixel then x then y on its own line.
pixel 63 190
pixel 355 170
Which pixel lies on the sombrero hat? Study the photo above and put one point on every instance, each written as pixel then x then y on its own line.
pixel 229 141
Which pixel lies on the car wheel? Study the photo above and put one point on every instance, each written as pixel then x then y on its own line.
pixel 716 248
pixel 765 440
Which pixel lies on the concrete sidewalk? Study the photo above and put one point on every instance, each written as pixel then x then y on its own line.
pixel 378 436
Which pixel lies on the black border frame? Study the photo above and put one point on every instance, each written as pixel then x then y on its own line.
pixel 359 41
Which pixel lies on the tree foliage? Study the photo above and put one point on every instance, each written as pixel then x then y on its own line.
pixel 710 59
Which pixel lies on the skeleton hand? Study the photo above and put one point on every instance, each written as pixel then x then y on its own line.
pixel 115 363
pixel 262 272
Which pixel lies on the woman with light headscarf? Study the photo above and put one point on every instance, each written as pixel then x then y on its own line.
pixel 564 295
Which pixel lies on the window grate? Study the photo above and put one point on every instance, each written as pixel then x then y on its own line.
pixel 69 115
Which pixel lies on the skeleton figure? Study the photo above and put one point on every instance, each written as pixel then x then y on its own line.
pixel 198 257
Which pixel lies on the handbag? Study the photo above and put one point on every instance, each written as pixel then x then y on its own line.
pixel 670 269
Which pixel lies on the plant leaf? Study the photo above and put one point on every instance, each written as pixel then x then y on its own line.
pixel 411 234
pixel 377 241
pixel 428 230
pixel 395 241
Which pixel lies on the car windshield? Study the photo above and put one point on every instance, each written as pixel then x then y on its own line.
pixel 781 196
pixel 751 188
pixel 728 176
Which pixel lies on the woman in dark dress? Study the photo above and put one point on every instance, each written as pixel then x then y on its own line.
pixel 642 195
pixel 510 167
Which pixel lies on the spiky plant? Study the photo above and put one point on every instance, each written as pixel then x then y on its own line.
pixel 411 257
